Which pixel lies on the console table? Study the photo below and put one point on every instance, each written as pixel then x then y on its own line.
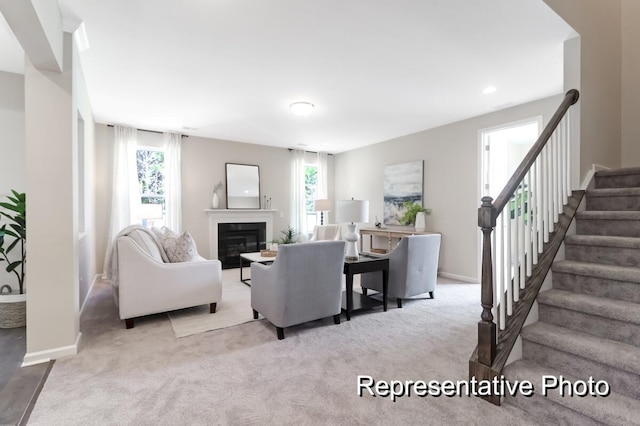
pixel 389 234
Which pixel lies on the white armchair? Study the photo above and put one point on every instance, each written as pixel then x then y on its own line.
pixel 413 268
pixel 303 284
pixel 326 232
pixel 147 285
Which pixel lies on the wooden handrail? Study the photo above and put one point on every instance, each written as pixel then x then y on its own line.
pixel 482 364
pixel 570 98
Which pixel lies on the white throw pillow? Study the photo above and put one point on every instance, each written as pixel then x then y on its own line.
pixel 179 248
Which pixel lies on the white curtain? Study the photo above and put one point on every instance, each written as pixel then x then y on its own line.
pixel 298 208
pixel 173 181
pixel 321 163
pixel 125 191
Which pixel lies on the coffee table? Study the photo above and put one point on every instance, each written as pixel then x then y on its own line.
pixel 253 257
pixel 355 301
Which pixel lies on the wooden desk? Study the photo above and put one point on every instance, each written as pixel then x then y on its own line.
pixel 389 234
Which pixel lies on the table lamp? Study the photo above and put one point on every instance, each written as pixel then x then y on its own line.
pixel 352 211
pixel 322 205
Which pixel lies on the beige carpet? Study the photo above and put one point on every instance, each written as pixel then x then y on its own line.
pixel 234 309
pixel 243 375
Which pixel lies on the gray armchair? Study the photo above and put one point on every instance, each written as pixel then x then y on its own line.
pixel 303 284
pixel 413 268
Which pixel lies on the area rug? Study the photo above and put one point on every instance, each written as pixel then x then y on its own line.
pixel 233 309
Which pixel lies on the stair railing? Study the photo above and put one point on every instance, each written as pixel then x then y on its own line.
pixel 523 216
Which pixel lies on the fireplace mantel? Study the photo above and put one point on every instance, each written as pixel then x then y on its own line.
pixel 217 216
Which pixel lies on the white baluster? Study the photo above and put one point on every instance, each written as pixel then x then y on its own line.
pixel 563 168
pixel 554 171
pixel 539 205
pixel 559 186
pixel 567 125
pixel 544 193
pixel 522 267
pixel 496 289
pixel 503 296
pixel 549 190
pixel 528 226
pixel 508 264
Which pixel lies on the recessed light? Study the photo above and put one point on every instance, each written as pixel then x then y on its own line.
pixel 301 108
pixel 489 90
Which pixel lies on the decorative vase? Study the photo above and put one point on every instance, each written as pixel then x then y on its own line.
pixel 215 202
pixel 420 222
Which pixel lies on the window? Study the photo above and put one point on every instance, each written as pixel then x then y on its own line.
pixel 151 180
pixel 310 194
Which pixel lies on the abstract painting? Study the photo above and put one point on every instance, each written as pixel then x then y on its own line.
pixel 402 186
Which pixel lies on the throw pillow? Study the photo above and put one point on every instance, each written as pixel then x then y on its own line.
pixel 180 248
pixel 163 232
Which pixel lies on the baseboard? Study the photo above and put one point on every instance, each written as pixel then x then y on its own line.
pixel 586 183
pixel 459 277
pixel 33 358
pixel 84 302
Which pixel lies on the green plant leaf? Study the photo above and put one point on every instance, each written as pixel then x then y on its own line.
pixel 11 234
pixel 13 265
pixel 12 245
pixel 19 230
pixel 13 207
pixel 19 195
pixel 14 211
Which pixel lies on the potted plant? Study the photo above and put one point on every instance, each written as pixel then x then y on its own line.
pixel 289 236
pixel 415 214
pixel 13 252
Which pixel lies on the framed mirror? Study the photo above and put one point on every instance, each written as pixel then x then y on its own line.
pixel 243 186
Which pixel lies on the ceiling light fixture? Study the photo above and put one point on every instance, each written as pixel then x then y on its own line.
pixel 301 108
pixel 489 90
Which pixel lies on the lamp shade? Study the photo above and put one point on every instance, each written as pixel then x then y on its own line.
pixel 321 205
pixel 354 211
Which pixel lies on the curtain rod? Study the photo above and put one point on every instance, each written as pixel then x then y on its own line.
pixel 150 131
pixel 310 152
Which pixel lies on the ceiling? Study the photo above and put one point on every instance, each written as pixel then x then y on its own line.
pixel 375 69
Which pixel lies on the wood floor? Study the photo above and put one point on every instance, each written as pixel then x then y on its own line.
pixel 19 386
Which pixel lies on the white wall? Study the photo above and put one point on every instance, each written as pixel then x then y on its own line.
pixel 12 172
pixel 599 25
pixel 86 236
pixel 630 83
pixel 57 253
pixel 451 186
pixel 102 167
pixel 203 166
pixel 52 289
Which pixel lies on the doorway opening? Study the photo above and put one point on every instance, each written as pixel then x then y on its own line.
pixel 502 149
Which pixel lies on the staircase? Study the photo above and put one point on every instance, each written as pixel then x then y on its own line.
pixel 589 323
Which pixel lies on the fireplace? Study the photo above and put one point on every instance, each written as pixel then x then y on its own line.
pixel 220 216
pixel 237 238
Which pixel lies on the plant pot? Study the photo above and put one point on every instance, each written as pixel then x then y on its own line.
pixel 13 310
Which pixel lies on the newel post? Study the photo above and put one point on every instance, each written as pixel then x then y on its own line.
pixel 486 327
